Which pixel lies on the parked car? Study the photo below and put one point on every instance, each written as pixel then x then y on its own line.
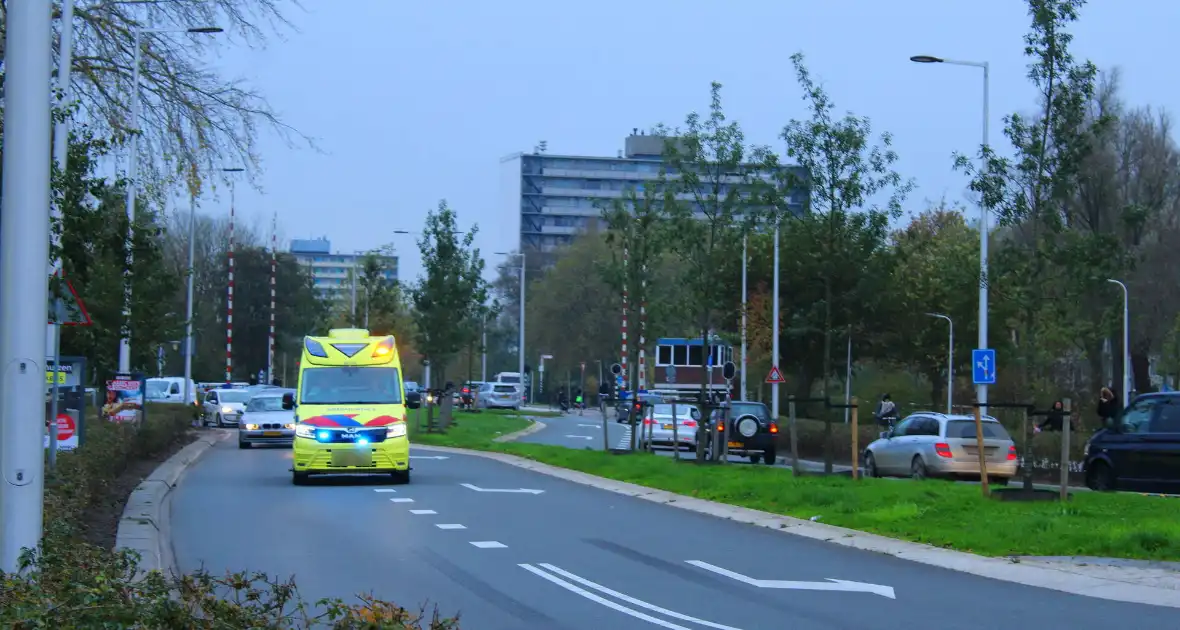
pixel 658 421
pixel 264 420
pixel 625 408
pixel 169 389
pixel 930 444
pixel 1140 451
pixel 499 396
pixel 413 394
pixel 749 431
pixel 224 407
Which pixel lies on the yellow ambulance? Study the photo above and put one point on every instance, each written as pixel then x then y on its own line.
pixel 350 411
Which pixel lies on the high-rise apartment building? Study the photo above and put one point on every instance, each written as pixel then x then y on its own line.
pixel 558 196
pixel 333 273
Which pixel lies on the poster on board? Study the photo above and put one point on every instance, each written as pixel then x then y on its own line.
pixel 124 398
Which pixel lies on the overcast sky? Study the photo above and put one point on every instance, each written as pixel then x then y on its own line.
pixel 418 101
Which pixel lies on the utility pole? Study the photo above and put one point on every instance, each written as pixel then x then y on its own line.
pixel 24 251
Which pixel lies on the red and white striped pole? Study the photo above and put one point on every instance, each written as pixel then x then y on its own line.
pixel 229 300
pixel 626 372
pixel 642 386
pixel 274 247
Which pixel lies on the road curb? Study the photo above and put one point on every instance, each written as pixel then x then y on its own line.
pixel 537 425
pixel 145 526
pixel 1004 569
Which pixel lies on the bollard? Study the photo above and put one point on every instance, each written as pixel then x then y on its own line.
pixel 675 432
pixel 855 440
pixel 1026 465
pixel 1065 431
pixel 605 433
pixel 982 453
pixel 794 437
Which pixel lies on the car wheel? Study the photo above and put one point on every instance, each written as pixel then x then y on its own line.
pixel 1101 478
pixel 770 457
pixel 754 459
pixel 918 468
pixel 242 444
pixel 871 466
pixel 218 422
pixel 401 476
pixel 299 478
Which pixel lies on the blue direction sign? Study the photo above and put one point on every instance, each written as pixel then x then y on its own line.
pixel 983 366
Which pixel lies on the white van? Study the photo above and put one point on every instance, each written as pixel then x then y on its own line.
pixel 169 389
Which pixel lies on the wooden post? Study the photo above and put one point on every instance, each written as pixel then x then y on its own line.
pixel 1027 463
pixel 794 437
pixel 1065 427
pixel 982 452
pixel 855 440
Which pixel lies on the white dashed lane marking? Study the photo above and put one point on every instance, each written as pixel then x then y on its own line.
pixel 450 526
pixel 489 544
pixel 423 512
pixel 402 500
pixel 384 490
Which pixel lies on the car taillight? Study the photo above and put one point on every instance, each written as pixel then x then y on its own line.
pixel 689 423
pixel 943 449
pixel 1012 453
pixel 466 391
pixel 773 428
pixel 647 421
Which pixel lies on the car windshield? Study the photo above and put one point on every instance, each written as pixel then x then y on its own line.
pixel 350 386
pixel 233 396
pixel 156 390
pixel 749 409
pixel 265 403
pixel 966 429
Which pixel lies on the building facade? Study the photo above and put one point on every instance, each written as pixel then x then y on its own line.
pixel 558 196
pixel 333 274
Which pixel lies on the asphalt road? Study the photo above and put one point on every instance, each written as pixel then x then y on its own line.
pixel 575 558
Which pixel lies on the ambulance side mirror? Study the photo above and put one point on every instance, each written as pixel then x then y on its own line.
pixel 288 401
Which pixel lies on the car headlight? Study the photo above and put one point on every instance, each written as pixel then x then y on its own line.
pixel 305 431
pixel 251 427
pixel 227 409
pixel 291 426
pixel 395 430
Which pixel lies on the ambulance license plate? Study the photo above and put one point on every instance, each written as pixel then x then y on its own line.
pixel 350 457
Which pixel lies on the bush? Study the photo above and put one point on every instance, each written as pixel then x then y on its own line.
pixel 71 584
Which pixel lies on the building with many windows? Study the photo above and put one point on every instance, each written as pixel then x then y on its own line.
pixel 333 273
pixel 558 196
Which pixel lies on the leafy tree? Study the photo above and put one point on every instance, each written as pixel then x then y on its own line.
pixel 845 173
pixel 452 292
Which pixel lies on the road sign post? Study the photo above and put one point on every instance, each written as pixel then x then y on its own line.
pixel 983 366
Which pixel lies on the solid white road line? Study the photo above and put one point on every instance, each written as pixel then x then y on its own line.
pixel 635 602
pixel 384 490
pixel 450 526
pixel 423 512
pixel 401 500
pixel 511 490
pixel 489 544
pixel 429 457
pixel 591 426
pixel 581 437
pixel 831 585
pixel 601 600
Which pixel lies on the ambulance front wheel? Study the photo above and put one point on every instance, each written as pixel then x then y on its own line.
pixel 401 476
pixel 299 478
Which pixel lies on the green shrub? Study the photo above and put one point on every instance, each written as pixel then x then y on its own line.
pixel 71 584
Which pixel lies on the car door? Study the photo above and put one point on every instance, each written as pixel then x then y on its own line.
pixel 1125 447
pixel 211 403
pixel 889 454
pixel 1160 448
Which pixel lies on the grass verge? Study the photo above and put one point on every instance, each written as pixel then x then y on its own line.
pixel 939 513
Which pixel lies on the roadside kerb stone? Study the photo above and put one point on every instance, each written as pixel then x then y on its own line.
pixel 145 524
pixel 516 435
pixel 1111 585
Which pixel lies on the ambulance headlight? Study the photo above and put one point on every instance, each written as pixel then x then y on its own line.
pixel 395 430
pixel 305 431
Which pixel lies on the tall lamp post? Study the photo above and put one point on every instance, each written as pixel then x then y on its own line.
pixel 133 176
pixel 950 362
pixel 520 347
pixel 1126 342
pixel 981 390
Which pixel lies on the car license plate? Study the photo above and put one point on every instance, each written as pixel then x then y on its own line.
pixel 667 427
pixel 351 457
pixel 272 433
pixel 736 445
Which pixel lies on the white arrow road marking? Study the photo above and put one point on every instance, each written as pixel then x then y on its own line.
pixel 635 602
pixel 831 585
pixel 608 603
pixel 581 437
pixel 514 490
pixel 429 457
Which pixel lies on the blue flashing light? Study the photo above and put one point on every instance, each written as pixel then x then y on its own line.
pixel 323 436
pixel 362 441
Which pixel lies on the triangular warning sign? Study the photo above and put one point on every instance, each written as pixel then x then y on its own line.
pixel 775 376
pixel 73 311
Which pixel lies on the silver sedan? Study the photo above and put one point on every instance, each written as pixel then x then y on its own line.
pixel 931 444
pixel 659 422
pixel 266 422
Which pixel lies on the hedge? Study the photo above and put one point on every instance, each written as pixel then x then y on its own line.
pixel 71 584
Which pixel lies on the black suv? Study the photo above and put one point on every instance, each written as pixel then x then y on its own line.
pixel 749 430
pixel 1140 450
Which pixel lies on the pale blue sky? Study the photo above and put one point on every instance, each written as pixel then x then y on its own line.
pixel 417 101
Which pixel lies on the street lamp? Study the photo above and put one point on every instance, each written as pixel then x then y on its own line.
pixel 1126 343
pixel 133 175
pixel 980 390
pixel 520 347
pixel 950 362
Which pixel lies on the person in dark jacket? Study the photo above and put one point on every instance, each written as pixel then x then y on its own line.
pixel 1108 406
pixel 886 413
pixel 1054 419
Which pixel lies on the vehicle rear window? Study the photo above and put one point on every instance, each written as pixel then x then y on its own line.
pixel 747 409
pixel 966 429
pixel 509 379
pixel 505 389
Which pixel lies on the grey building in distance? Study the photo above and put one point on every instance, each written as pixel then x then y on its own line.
pixel 558 196
pixel 333 273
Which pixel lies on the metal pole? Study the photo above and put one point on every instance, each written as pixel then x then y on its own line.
pixel 483 358
pixel 352 274
pixel 229 303
pixel 1126 342
pixel 59 314
pixel 132 188
pixel 520 354
pixel 981 390
pixel 774 332
pixel 950 368
pixel 188 302
pixel 61 152
pixel 745 262
pixel 270 342
pixel 24 250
